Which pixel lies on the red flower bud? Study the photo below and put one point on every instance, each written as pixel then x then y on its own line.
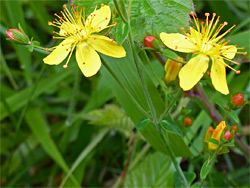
pixel 238 100
pixel 228 135
pixel 148 41
pixel 10 34
pixel 187 122
pixel 235 128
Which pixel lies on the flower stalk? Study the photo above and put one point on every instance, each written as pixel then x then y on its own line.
pixel 149 101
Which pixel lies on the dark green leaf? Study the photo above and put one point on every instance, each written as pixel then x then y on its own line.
pixel 170 126
pixel 159 16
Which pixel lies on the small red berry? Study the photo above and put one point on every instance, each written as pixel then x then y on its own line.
pixel 187 122
pixel 235 128
pixel 238 100
pixel 148 41
pixel 10 34
pixel 228 135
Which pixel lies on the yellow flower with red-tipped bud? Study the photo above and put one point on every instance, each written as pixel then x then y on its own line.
pixel 81 33
pixel 217 135
pixel 206 42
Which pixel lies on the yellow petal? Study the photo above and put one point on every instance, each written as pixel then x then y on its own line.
pixel 60 53
pixel 106 46
pixel 87 59
pixel 218 75
pixel 99 19
pixel 193 71
pixel 229 51
pixel 178 42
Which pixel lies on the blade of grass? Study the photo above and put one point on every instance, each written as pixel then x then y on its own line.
pixel 6 69
pixel 38 126
pixel 85 153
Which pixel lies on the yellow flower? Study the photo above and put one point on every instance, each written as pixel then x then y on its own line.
pixel 172 69
pixel 79 33
pixel 216 135
pixel 205 42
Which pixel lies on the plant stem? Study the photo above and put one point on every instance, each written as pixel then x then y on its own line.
pixel 150 103
pixel 126 90
pixel 162 84
pixel 172 156
pixel 120 12
pixel 170 105
pixel 125 170
pixel 211 160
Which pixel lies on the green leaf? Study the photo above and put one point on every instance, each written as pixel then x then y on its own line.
pixel 170 126
pixel 223 150
pixel 205 169
pixel 149 132
pixel 156 170
pixel 230 144
pixel 170 54
pixel 159 16
pixel 19 99
pixel 31 47
pixel 234 116
pixel 213 141
pixel 112 117
pixel 121 32
pixel 39 128
pixel 190 176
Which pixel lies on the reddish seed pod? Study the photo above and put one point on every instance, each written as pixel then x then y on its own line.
pixel 238 100
pixel 10 34
pixel 235 128
pixel 187 122
pixel 228 135
pixel 148 41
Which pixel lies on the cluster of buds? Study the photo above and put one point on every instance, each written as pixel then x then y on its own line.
pixel 221 132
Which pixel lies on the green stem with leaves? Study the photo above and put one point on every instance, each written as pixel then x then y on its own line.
pixel 148 99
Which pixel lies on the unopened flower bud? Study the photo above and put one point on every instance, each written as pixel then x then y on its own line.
pixel 235 128
pixel 17 35
pixel 10 34
pixel 187 122
pixel 216 135
pixel 228 135
pixel 238 100
pixel 172 69
pixel 148 41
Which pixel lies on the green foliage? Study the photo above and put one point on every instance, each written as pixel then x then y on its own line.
pixel 155 170
pixel 159 16
pixel 121 33
pixel 205 169
pixel 190 178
